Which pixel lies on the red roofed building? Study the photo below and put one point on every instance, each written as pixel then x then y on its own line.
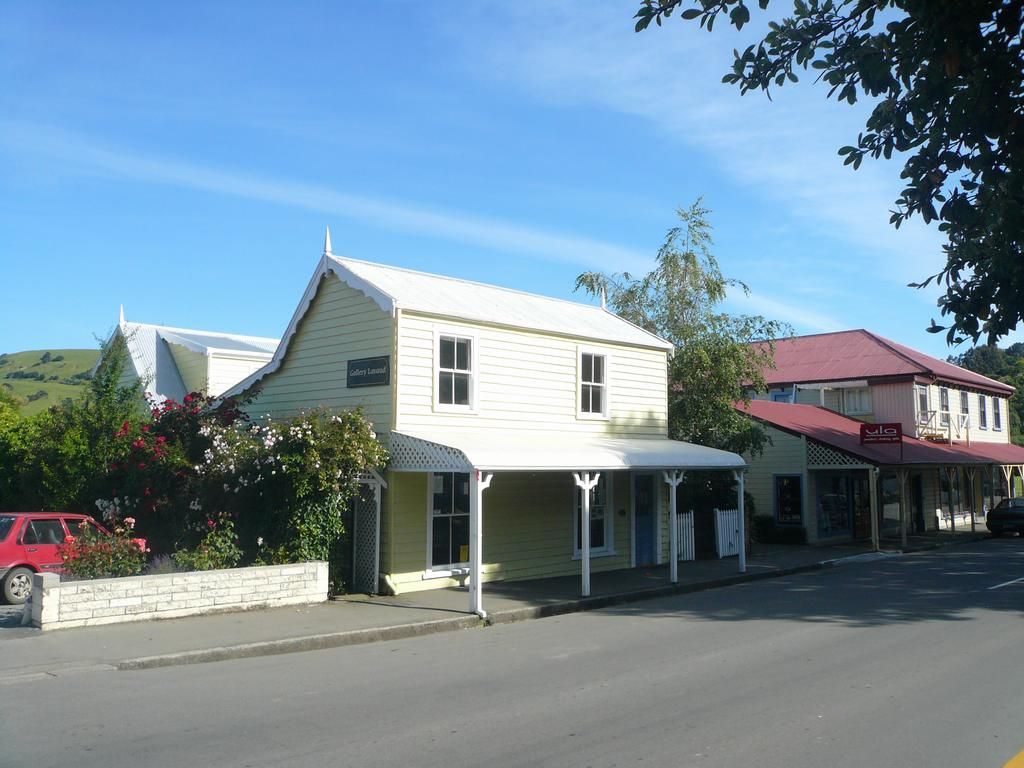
pixel 870 378
pixel 952 461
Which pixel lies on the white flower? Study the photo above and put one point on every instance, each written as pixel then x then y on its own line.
pixel 259 541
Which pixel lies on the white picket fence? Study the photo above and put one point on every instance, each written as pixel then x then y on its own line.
pixel 727 532
pixel 684 529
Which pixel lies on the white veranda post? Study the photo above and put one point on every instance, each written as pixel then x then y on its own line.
pixel 478 483
pixel 673 479
pixel 740 475
pixel 586 482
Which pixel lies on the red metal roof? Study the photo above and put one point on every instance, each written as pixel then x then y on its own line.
pixel 838 431
pixel 860 354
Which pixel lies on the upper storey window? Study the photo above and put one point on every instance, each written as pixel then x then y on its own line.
pixel 997 414
pixel 856 400
pixel 455 370
pixel 593 387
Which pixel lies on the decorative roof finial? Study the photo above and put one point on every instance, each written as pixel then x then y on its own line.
pixel 120 318
pixel 327 243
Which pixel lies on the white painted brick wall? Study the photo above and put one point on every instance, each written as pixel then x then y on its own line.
pixel 59 605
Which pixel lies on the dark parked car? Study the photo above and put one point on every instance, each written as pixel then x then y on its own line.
pixel 29 544
pixel 1008 515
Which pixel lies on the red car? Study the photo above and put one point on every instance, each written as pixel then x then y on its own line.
pixel 28 544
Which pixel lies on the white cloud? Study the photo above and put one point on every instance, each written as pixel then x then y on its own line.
pixel 671 77
pixel 802 319
pixel 74 151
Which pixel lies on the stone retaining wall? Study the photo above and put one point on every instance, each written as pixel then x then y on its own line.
pixel 58 604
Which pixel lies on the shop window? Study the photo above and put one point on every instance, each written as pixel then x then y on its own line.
pixel 449 520
pixel 600 518
pixel 788 500
pixel 834 506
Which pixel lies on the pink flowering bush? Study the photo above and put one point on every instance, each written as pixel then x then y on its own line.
pixel 96 554
pixel 207 485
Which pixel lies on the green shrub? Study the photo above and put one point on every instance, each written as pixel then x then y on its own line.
pixel 218 549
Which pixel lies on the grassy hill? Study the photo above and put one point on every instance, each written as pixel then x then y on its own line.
pixel 40 378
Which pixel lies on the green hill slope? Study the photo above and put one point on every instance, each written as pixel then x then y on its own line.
pixel 40 378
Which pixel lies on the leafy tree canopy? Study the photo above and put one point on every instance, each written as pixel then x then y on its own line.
pixel 948 84
pixel 1005 365
pixel 714 364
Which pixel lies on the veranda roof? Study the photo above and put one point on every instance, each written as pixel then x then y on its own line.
pixel 841 432
pixel 515 451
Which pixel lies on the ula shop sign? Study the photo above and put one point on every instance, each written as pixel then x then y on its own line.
pixel 369 372
pixel 875 434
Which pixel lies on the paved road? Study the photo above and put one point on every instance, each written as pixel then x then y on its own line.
pixel 910 661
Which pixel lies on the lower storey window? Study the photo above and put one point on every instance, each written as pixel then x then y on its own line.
pixel 600 538
pixel 449 520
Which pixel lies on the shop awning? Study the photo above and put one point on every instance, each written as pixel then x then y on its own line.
pixel 535 451
pixel 841 432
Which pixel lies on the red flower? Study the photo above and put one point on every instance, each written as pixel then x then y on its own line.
pixel 123 430
pixel 145 427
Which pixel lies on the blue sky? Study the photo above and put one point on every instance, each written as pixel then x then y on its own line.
pixel 183 159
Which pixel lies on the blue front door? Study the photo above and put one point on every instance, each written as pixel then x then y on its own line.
pixel 644 519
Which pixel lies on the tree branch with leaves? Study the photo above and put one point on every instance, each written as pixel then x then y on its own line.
pixel 947 79
pixel 716 361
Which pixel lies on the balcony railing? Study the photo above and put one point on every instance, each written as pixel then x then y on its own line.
pixel 943 425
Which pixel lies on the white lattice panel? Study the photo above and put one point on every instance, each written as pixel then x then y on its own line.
pixel 413 454
pixel 819 455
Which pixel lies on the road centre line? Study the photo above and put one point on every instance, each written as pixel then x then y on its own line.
pixel 1017 761
pixel 1006 584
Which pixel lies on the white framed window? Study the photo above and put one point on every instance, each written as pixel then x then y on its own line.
pixel 944 406
pixel 601 530
pixel 455 368
pixel 447 522
pixel 922 403
pixel 856 400
pixel 965 404
pixel 997 414
pixel 982 412
pixel 592 389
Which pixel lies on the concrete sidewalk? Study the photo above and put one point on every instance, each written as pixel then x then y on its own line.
pixel 28 654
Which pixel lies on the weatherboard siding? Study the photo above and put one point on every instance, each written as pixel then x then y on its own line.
pixel 528 380
pixel 226 371
pixel 975 432
pixel 192 367
pixel 785 456
pixel 527 529
pixel 893 403
pixel 341 324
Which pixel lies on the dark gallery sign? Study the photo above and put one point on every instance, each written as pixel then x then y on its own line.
pixel 369 372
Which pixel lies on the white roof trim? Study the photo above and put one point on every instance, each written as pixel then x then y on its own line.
pixel 445 451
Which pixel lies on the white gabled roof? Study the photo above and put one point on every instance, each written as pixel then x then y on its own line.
pixel 523 451
pixel 154 365
pixel 397 288
pixel 394 288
